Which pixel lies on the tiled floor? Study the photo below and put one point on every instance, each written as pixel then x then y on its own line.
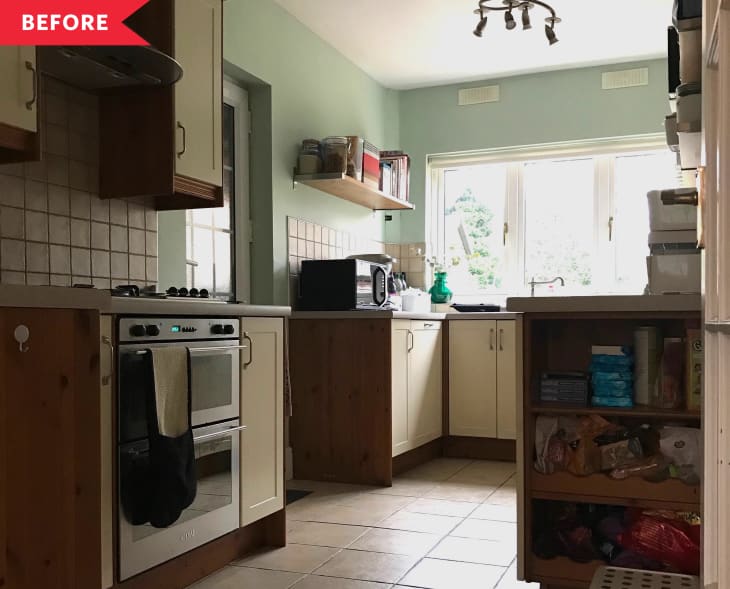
pixel 448 524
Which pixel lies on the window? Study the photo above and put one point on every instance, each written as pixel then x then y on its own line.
pixel 217 244
pixel 500 222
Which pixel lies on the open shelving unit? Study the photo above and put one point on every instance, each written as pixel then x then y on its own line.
pixel 562 342
pixel 347 188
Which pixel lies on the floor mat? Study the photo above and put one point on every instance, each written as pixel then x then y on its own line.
pixel 293 495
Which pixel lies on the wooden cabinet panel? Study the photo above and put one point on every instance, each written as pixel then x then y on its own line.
pixel 18 100
pixel 399 344
pixel 262 412
pixel 473 379
pixel 50 486
pixel 199 94
pixel 507 380
pixel 425 402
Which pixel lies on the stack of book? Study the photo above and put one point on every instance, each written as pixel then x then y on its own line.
pixel 395 167
pixel 570 388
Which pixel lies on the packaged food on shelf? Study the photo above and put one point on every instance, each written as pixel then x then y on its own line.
pixel 371 165
pixel 612 376
pixel 564 387
pixel 334 152
pixel 354 156
pixel 682 447
pixel 693 369
pixel 647 356
pixel 671 379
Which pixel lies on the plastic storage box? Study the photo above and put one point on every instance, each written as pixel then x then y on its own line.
pixel 670 217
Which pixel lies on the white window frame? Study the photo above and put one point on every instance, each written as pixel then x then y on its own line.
pixel 602 151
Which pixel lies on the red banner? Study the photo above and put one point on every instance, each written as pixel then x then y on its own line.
pixel 68 22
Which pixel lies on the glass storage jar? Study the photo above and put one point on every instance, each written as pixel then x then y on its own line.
pixel 310 157
pixel 334 151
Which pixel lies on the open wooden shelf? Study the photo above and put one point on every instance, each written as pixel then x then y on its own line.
pixel 642 411
pixel 561 571
pixel 347 188
pixel 602 489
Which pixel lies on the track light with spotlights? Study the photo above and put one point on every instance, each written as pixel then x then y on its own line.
pixel 508 6
pixel 526 24
pixel 481 25
pixel 509 20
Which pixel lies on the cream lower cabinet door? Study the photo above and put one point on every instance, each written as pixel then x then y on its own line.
pixel 262 412
pixel 199 93
pixel 425 398
pixel 400 343
pixel 106 368
pixel 507 350
pixel 473 378
pixel 19 98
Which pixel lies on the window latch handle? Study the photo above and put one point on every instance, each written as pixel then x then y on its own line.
pixel 610 228
pixel 505 231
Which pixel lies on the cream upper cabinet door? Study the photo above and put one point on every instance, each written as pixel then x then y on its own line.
pixel 19 97
pixel 106 368
pixel 401 341
pixel 262 412
pixel 199 94
pixel 425 401
pixel 473 378
pixel 507 350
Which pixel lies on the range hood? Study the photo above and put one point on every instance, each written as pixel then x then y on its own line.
pixel 94 68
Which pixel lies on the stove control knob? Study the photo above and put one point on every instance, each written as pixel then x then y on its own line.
pixel 194 292
pixel 228 329
pixel 204 294
pixel 182 292
pixel 218 329
pixel 138 330
pixel 172 291
pixel 153 330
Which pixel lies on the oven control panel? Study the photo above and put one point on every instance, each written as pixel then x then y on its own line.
pixel 142 329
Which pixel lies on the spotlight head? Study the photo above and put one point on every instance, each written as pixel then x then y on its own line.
pixel 526 24
pixel 509 20
pixel 481 25
pixel 550 34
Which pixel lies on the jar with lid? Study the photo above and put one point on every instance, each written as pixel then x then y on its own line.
pixel 310 157
pixel 334 151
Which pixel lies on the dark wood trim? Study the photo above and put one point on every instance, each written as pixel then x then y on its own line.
pixel 201 562
pixel 417 456
pixel 480 448
pixel 19 145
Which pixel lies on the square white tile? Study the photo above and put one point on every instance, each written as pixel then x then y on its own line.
pixel 473 550
pixel 443 574
pixel 367 566
pixel 294 558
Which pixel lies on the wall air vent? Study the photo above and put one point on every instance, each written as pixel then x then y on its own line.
pixel 626 78
pixel 481 95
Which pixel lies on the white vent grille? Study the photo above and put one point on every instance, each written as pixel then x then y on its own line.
pixel 626 78
pixel 480 95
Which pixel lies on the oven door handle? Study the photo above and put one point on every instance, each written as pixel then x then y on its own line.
pixel 219 434
pixel 199 350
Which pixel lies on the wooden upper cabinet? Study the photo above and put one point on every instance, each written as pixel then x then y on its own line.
pixel 19 139
pixel 167 143
pixel 199 95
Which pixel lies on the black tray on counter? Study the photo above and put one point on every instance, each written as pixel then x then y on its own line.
pixel 477 308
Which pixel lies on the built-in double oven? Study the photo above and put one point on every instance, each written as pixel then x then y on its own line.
pixel 214 349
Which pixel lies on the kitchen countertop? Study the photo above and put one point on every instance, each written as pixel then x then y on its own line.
pixel 385 314
pixel 54 297
pixel 606 304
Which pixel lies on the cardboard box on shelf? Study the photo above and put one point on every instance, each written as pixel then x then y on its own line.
pixel 695 363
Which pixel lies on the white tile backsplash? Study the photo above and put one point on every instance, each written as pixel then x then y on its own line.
pixel 59 229
pixel 80 233
pixel 100 236
pixel 36 226
pixel 80 262
pixel 36 257
pixel 12 223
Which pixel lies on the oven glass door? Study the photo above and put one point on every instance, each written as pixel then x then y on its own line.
pixel 214 381
pixel 213 513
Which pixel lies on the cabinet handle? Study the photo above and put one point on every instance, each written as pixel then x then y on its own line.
pixel 250 350
pixel 184 138
pixel 501 340
pixel 428 324
pixel 410 342
pixel 491 339
pixel 105 380
pixel 29 66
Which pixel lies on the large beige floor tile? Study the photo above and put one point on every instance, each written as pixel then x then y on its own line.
pixel 318 582
pixel 367 566
pixel 446 574
pixel 503 496
pixel 441 507
pixel 396 542
pixel 478 551
pixel 237 578
pixel 294 558
pixel 420 522
pixel 502 513
pixel 369 501
pixel 340 514
pixel 407 488
pixel 473 492
pixel 483 529
pixel 320 534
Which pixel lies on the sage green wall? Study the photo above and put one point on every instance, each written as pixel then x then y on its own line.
pixel 314 92
pixel 539 108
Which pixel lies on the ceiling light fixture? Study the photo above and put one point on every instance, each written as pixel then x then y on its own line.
pixel 508 6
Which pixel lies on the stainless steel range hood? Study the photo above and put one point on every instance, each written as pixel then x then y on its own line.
pixel 102 68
